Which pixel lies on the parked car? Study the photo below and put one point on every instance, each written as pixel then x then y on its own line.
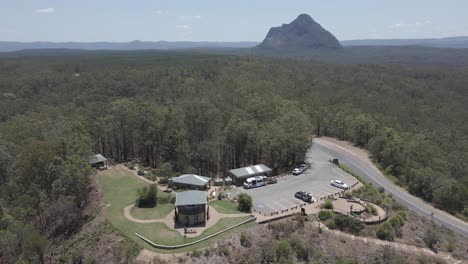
pixel 339 184
pixel 296 171
pixel 305 196
pixel 303 167
pixel 254 182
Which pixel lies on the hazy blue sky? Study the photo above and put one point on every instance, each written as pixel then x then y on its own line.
pixel 217 20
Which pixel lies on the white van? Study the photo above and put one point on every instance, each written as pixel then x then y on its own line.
pixel 253 182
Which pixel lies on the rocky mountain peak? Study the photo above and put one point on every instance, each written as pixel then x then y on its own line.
pixel 303 33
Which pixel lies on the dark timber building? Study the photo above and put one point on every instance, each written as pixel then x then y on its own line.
pixel 191 208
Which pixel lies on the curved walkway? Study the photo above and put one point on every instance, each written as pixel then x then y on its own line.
pixel 194 242
pixel 381 214
pixel 342 206
pixel 215 216
pixel 128 215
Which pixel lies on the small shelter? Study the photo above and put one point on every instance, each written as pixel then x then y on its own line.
pixel 227 181
pixel 223 181
pixel 241 174
pixel 191 208
pixel 190 181
pixel 98 161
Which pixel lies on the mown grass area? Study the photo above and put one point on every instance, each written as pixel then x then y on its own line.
pixel 119 189
pixel 225 206
pixel 159 233
pixel 160 211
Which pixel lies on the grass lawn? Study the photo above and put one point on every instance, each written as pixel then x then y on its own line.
pixel 119 189
pixel 159 233
pixel 160 211
pixel 224 206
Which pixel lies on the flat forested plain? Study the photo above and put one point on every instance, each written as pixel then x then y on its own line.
pixel 205 113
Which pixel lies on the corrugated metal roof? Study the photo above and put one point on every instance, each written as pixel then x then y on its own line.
pixel 96 159
pixel 250 171
pixel 191 179
pixel 190 198
pixel 227 179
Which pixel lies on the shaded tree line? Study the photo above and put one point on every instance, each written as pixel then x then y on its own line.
pixel 45 183
pixel 210 113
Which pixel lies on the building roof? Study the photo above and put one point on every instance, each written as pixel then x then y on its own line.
pixel 249 171
pixel 191 179
pixel 227 179
pixel 96 159
pixel 190 198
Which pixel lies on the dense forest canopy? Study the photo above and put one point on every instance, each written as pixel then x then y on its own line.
pixel 210 113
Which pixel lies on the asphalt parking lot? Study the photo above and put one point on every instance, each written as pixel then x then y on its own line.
pixel 316 180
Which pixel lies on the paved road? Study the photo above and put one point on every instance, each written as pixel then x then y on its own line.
pixel 316 180
pixel 371 174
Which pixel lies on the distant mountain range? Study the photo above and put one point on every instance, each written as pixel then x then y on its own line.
pixel 452 42
pixel 7 46
pixel 301 36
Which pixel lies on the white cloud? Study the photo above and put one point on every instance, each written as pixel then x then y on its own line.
pixel 47 10
pixel 182 26
pixel 160 12
pixel 414 25
pixel 189 17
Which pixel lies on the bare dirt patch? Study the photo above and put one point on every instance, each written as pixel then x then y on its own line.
pixel 414 232
pixel 325 246
pixel 357 152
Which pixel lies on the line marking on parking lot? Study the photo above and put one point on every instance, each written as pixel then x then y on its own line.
pixel 266 207
pixel 295 202
pixel 320 194
pixel 341 173
pixel 281 206
pixel 273 208
pixel 289 204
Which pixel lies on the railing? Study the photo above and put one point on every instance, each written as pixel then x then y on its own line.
pixel 369 221
pixel 332 196
pixel 168 247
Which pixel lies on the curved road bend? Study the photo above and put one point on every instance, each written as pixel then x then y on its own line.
pixel 371 174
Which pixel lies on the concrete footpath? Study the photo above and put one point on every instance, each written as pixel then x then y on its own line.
pixel 215 216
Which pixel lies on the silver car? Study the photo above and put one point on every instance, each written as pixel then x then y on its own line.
pixel 339 184
pixel 296 171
